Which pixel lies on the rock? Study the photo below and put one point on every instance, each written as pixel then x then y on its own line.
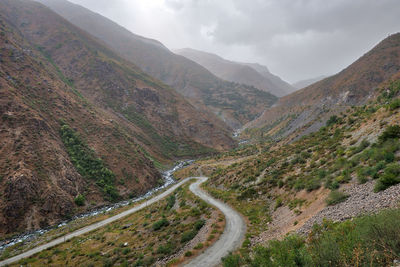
pixel 126 226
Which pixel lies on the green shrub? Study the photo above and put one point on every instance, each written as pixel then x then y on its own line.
pixel 232 260
pixel 79 200
pixel 199 224
pixel 160 224
pixel 278 203
pixel 390 132
pixel 372 240
pixel 336 197
pixel 390 176
pixel 332 120
pixel 291 251
pixel 188 253
pixel 248 193
pixel 199 246
pixel 313 184
pixel 170 202
pixel 188 235
pixel 395 104
pixel 166 249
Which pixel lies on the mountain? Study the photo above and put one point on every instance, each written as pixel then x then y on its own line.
pixel 325 188
pixel 79 122
pixel 304 83
pixel 246 73
pixel 310 107
pixel 236 104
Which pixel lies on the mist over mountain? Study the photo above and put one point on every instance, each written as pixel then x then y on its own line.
pixel 117 151
pixel 235 104
pixel 246 73
pixel 304 83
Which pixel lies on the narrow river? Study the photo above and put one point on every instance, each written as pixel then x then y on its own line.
pixel 30 236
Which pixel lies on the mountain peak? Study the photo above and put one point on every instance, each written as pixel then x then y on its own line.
pixel 253 74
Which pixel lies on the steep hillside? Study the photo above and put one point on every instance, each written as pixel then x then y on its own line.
pixel 245 73
pixel 38 179
pixel 163 121
pixel 349 168
pixel 313 105
pixel 235 104
pixel 80 126
pixel 304 83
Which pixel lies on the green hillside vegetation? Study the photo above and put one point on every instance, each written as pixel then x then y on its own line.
pixel 372 240
pixel 271 174
pixel 321 158
pixel 88 164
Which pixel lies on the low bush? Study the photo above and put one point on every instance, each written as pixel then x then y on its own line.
pixel 395 104
pixel 372 240
pixel 199 224
pixel 391 132
pixel 160 224
pixel 188 235
pixel 336 197
pixel 166 249
pixel 170 202
pixel 188 253
pixel 79 200
pixel 390 176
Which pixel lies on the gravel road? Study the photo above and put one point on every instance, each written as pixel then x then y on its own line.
pixel 232 237
pixel 230 240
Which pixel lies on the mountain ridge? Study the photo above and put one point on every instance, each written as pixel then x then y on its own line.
pixel 235 104
pixel 252 74
pixel 79 122
pixel 310 107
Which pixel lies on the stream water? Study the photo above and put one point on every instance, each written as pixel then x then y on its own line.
pixel 29 236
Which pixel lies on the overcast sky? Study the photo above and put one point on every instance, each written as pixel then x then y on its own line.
pixel 295 39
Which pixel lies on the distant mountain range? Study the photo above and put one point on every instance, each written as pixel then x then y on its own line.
pixel 246 73
pixel 235 104
pixel 310 107
pixel 304 83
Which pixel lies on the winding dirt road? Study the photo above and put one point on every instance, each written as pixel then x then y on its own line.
pixel 230 240
pixel 232 237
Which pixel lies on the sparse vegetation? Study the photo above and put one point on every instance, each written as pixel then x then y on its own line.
pixel 141 239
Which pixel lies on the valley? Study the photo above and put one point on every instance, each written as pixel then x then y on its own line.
pixel 117 150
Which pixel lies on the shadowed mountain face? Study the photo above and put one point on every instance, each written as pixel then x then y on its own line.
pixel 234 103
pixel 76 119
pixel 352 86
pixel 304 83
pixel 246 73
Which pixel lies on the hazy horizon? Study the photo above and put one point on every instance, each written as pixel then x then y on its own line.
pixel 296 40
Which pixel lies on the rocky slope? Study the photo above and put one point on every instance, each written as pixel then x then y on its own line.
pixel 163 121
pixel 350 167
pixel 246 73
pixel 235 104
pixel 313 105
pixel 118 118
pixel 38 180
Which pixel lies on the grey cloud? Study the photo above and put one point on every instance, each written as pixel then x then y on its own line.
pixel 296 39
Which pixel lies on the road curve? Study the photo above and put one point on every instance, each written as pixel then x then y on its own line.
pixel 229 240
